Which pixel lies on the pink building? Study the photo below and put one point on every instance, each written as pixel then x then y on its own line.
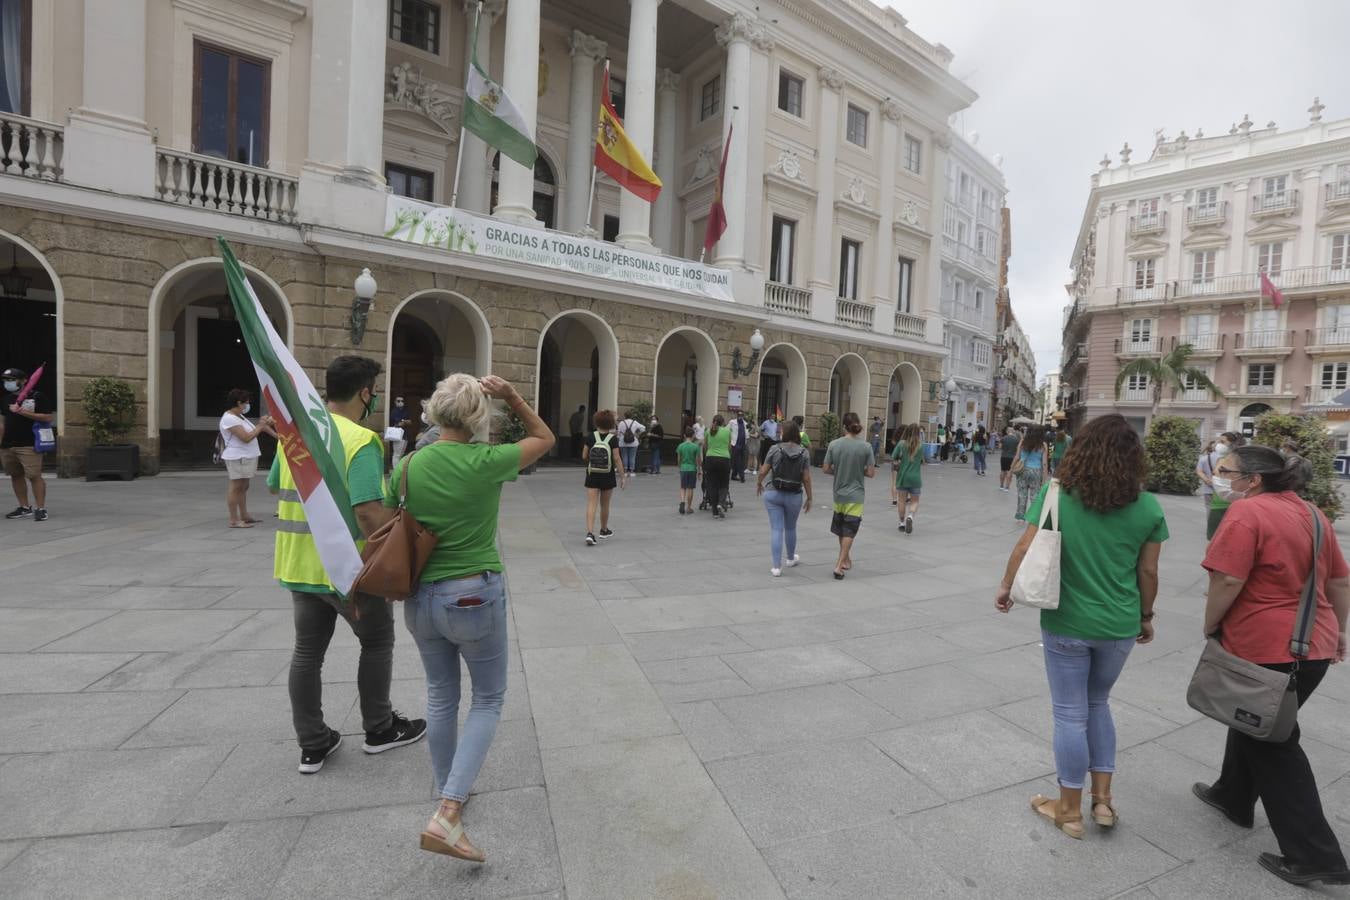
pixel 1170 251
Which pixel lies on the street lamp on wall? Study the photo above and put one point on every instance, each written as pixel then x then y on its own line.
pixel 943 391
pixel 756 346
pixel 365 288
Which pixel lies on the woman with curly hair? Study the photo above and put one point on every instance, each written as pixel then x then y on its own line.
pixel 1112 534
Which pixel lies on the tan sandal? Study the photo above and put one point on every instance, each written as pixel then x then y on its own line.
pixel 1047 807
pixel 446 845
pixel 1105 821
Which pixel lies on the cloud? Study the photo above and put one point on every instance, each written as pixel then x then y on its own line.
pixel 1063 82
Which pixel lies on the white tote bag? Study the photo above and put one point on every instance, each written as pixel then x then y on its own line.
pixel 1037 580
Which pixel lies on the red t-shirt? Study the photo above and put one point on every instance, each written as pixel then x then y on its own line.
pixel 1267 540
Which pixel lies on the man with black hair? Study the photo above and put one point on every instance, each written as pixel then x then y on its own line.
pixel 20 460
pixel 350 390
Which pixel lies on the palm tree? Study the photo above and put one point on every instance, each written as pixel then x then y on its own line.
pixel 1170 371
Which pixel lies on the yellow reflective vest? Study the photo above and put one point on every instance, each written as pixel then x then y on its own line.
pixel 297 559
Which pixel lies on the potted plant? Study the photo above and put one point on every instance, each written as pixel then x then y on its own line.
pixel 511 431
pixel 110 409
pixel 829 430
pixel 642 414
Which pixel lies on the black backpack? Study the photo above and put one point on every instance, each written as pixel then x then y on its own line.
pixel 600 458
pixel 788 471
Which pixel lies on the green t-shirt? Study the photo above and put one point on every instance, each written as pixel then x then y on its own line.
pixel 687 452
pixel 1217 502
pixel 1099 553
pixel 907 473
pixel 806 440
pixel 851 458
pixel 1010 443
pixel 1059 448
pixel 455 490
pixel 365 482
pixel 719 444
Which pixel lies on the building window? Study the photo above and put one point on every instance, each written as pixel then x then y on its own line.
pixel 789 93
pixel 710 98
pixel 1148 212
pixel 1335 376
pixel 850 253
pixel 230 105
pixel 1269 257
pixel 1273 189
pixel 981 353
pixel 1141 334
pixel 1206 202
pixel 979 300
pixel 408 182
pixel 15 55
pixel 949 221
pixel 416 23
pixel 1340 252
pixel 545 189
pixel 959 292
pixel 610 229
pixel 1145 272
pixel 1136 387
pixel 1261 378
pixel 618 95
pixel 783 243
pixel 856 132
pixel 1202 266
pixel 913 154
pixel 903 299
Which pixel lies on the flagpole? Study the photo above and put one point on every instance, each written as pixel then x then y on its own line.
pixel 590 202
pixel 459 155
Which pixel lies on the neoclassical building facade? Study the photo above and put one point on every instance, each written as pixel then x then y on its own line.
pixel 296 128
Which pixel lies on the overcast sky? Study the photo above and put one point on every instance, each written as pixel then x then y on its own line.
pixel 1062 81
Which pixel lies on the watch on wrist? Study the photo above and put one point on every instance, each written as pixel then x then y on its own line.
pixel 1146 617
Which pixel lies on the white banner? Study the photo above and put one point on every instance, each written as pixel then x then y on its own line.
pixel 464 232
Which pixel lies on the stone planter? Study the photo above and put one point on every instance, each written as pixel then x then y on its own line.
pixel 113 460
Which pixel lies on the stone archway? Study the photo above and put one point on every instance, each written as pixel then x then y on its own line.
pixel 32 320
pixel 433 333
pixel 577 365
pixel 904 397
pixel 197 354
pixel 685 376
pixel 782 382
pixel 850 387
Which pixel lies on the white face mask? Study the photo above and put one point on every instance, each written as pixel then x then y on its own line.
pixel 425 420
pixel 1221 449
pixel 1224 488
pixel 11 386
pixel 245 408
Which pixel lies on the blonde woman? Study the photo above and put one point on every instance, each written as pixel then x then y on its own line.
pixel 906 458
pixel 454 489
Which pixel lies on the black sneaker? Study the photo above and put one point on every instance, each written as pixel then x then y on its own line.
pixel 590 539
pixel 312 761
pixel 400 733
pixel 681 507
pixel 605 532
pixel 20 512
pixel 40 514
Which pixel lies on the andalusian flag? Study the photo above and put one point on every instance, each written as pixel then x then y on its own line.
pixel 491 115
pixel 617 156
pixel 305 431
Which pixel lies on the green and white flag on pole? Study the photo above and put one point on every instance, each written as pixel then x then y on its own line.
pixel 490 114
pixel 305 432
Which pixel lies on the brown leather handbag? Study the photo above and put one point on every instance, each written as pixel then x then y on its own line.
pixel 397 552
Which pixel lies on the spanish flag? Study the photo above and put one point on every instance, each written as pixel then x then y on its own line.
pixel 617 157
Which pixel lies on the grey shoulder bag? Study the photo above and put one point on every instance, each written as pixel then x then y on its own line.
pixel 1247 697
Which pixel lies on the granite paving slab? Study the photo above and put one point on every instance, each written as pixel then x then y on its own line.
pixel 32 673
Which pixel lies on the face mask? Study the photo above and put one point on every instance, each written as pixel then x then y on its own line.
pixel 1224 488
pixel 245 408
pixel 11 386
pixel 371 407
pixel 1221 449
pixel 425 420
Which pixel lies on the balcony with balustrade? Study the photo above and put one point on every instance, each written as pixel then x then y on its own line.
pixel 1148 223
pixel 207 182
pixel 1323 395
pixel 854 314
pixel 1136 395
pixel 1201 214
pixel 31 148
pixel 1334 339
pixel 981 319
pixel 1302 279
pixel 1275 203
pixel 1210 344
pixel 1130 347
pixel 787 300
pixel 908 325
pixel 970 370
pixel 1336 195
pixel 1265 342
pixel 1153 293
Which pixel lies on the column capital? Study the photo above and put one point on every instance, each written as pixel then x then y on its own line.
pixel 492 9
pixel 942 139
pixel 831 78
pixel 891 110
pixel 741 28
pixel 667 80
pixel 582 44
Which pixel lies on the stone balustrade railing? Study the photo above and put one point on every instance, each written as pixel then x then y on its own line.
pixel 206 182
pixel 853 314
pixel 30 148
pixel 787 300
pixel 908 325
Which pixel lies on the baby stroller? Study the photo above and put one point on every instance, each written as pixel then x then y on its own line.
pixel 706 503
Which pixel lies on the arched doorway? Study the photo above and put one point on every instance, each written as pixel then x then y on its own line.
pixel 578 366
pixel 434 334
pixel 903 397
pixel 198 355
pixel 545 188
pixel 686 377
pixel 850 387
pixel 1248 416
pixel 782 382
pixel 31 333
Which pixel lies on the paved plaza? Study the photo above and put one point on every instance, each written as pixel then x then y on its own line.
pixel 678 723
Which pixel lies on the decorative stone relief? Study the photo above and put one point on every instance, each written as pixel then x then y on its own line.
pixel 855 192
pixel 705 164
pixel 789 165
pixel 409 89
pixel 1315 111
pixel 582 44
pixel 1125 152
pixel 831 78
pixel 891 110
pixel 909 213
pixel 666 80
pixel 741 27
pixel 943 139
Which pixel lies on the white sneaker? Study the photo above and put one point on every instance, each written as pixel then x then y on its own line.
pixel 792 562
pixel 775 572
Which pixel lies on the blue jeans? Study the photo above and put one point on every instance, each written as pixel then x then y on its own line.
pixel 1081 675
pixel 784 508
pixel 629 457
pixel 444 631
pixel 980 465
pixel 655 461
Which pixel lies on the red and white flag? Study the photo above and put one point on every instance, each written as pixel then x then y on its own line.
pixel 717 216
pixel 1270 292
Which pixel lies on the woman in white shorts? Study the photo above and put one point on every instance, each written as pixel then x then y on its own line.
pixel 240 454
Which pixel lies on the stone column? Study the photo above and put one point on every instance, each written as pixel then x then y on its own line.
pixel 583 114
pixel 667 134
pixel 475 174
pixel 107 143
pixel 1176 229
pixel 822 226
pixel 1310 202
pixel 937 204
pixel 520 80
pixel 735 35
pixel 885 268
pixel 639 120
